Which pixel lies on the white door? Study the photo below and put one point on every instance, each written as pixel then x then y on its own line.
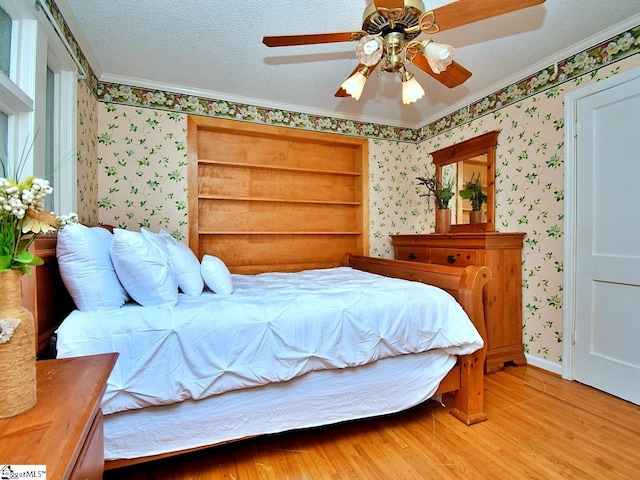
pixel 607 237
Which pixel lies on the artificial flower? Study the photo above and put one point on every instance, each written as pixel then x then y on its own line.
pixel 23 218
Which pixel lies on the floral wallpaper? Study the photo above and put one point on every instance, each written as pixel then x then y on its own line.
pixel 142 169
pixel 394 202
pixel 176 102
pixel 137 154
pixel 86 156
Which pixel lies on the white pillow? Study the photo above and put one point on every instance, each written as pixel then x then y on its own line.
pixel 143 269
pixel 155 239
pixel 186 265
pixel 86 269
pixel 216 275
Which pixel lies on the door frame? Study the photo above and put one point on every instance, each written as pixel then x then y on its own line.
pixel 570 204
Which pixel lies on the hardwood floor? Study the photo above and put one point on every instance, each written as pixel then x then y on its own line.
pixel 539 427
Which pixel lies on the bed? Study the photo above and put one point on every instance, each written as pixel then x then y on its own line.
pixel 316 388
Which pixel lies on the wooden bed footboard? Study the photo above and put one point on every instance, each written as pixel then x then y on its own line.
pixel 466 380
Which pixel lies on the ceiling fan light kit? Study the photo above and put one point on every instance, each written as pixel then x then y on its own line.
pixel 389 28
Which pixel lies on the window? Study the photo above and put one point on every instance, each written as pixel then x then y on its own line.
pixel 5 42
pixel 38 99
pixel 4 127
pixel 5 62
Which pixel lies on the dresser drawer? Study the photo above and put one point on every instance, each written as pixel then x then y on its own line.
pixel 454 256
pixel 415 254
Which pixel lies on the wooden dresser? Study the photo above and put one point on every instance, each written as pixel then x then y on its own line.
pixel 502 253
pixel 64 430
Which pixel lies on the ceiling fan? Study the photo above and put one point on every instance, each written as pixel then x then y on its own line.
pixel 388 38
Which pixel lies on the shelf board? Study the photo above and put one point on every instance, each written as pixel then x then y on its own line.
pixel 277 168
pixel 253 233
pixel 276 200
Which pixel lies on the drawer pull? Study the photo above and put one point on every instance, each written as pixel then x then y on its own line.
pixel 451 259
pixel 412 256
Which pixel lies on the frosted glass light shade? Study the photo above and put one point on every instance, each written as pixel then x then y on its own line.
pixel 438 55
pixel 411 89
pixel 355 83
pixel 369 50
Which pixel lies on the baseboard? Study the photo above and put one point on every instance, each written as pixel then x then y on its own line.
pixel 544 364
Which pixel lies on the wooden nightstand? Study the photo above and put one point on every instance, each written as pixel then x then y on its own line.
pixel 502 253
pixel 64 430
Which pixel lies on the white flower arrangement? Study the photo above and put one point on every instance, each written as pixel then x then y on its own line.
pixel 22 218
pixel 7 327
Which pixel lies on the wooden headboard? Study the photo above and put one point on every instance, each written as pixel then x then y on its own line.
pixel 271 198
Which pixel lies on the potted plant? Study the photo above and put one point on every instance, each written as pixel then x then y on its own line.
pixel 474 192
pixel 442 193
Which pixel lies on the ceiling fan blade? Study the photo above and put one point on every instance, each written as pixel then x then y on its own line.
pixel 454 75
pixel 311 39
pixel 463 12
pixel 389 4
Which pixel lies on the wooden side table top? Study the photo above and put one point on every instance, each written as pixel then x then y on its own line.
pixel 54 431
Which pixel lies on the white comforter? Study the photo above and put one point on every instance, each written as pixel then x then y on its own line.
pixel 274 327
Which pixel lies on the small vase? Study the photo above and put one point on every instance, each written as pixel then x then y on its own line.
pixel 18 355
pixel 476 216
pixel 443 220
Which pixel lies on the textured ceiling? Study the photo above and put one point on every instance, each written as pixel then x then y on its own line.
pixel 214 49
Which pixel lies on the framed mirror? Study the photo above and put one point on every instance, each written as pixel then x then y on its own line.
pixel 472 161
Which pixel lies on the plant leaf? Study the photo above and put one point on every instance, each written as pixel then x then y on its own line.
pixel 27 258
pixel 5 263
pixel 24 270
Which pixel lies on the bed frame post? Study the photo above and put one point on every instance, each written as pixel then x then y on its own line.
pixel 466 380
pixel 469 399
